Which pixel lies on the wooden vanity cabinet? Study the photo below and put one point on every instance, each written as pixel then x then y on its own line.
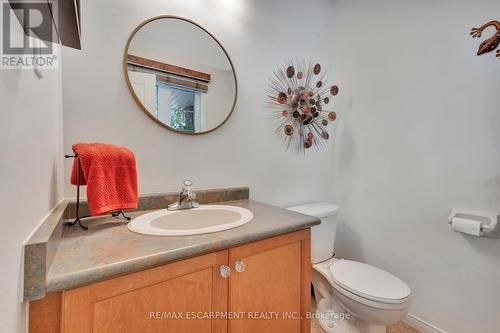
pixel 274 286
pixel 151 301
pixel 266 289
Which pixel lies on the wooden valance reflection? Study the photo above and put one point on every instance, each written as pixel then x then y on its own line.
pixel 167 68
pixel 182 83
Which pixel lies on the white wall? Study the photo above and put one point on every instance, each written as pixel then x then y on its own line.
pixel 419 134
pixel 258 35
pixel 30 173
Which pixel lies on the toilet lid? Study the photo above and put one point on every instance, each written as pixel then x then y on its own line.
pixel 368 281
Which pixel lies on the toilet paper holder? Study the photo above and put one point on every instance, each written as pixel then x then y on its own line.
pixel 489 220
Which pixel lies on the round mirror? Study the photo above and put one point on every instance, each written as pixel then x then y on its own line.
pixel 180 75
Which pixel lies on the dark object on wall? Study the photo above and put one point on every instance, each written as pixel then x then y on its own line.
pixel 491 43
pixel 68 23
pixel 65 16
pixel 299 93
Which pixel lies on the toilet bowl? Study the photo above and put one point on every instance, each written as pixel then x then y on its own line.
pixel 351 297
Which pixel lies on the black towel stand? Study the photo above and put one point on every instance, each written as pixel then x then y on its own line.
pixel 77 214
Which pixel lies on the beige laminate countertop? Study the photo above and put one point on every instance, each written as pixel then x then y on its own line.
pixel 109 249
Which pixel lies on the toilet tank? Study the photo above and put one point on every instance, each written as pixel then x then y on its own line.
pixel 323 235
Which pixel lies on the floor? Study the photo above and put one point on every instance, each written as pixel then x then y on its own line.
pixel 401 328
pixel 398 328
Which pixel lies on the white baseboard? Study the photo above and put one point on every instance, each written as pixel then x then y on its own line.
pixel 421 324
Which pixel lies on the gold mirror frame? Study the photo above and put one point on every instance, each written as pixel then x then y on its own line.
pixel 143 108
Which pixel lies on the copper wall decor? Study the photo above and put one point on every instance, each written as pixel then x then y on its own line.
pixel 300 97
pixel 491 43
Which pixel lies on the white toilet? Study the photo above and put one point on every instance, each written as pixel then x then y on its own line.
pixel 351 297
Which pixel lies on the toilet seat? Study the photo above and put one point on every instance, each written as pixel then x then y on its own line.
pixel 324 268
pixel 368 282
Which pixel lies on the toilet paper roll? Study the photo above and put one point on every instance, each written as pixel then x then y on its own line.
pixel 466 226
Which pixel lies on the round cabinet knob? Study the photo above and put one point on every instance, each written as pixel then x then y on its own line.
pixel 239 266
pixel 225 271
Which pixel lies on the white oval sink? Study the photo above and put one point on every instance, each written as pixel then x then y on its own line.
pixel 201 220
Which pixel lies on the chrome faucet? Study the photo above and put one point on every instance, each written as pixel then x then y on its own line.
pixel 187 198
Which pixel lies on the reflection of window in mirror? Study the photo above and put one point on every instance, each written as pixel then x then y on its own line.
pixel 180 75
pixel 180 107
pixel 173 99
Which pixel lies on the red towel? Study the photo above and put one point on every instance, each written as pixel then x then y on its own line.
pixel 110 175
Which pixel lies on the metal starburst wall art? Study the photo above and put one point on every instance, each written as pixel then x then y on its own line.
pixel 300 95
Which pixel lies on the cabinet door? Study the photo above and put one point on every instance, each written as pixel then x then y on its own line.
pixel 272 292
pixel 170 298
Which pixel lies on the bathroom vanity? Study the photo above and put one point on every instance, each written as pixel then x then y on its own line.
pixel 253 278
